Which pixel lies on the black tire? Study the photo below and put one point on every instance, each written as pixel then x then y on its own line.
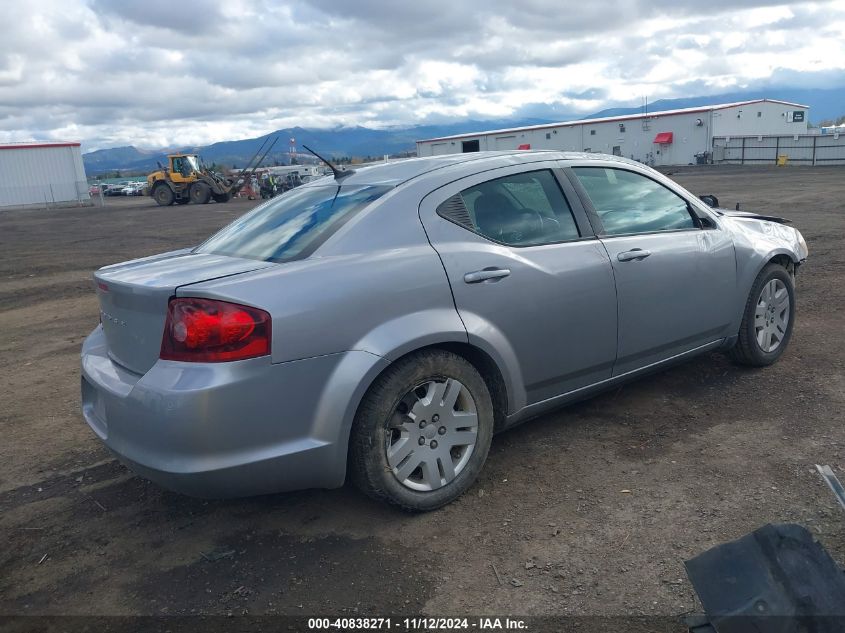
pixel 222 197
pixel 182 200
pixel 163 195
pixel 200 193
pixel 368 465
pixel 747 350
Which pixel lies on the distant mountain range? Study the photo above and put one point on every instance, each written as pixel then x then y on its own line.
pixel 362 142
pixel 347 142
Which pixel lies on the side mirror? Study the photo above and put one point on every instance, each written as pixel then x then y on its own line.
pixel 710 200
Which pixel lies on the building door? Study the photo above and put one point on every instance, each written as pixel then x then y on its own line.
pixel 506 142
pixel 470 146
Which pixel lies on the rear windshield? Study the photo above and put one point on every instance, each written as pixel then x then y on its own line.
pixel 293 225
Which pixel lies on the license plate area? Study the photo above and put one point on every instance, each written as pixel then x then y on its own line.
pixel 94 409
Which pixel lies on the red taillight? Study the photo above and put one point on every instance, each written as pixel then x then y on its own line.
pixel 210 331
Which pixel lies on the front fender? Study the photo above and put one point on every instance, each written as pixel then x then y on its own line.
pixel 760 240
pixel 756 243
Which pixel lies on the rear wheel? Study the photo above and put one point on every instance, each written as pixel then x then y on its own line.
pixel 768 318
pixel 200 193
pixel 163 195
pixel 422 432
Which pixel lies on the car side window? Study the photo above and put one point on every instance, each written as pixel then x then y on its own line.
pixel 525 209
pixel 627 202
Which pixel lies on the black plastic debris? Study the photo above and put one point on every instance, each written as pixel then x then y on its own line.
pixel 775 580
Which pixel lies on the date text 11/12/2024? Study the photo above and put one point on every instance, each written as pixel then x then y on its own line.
pixel 416 624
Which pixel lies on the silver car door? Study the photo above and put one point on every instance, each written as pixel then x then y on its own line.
pixel 531 283
pixel 675 276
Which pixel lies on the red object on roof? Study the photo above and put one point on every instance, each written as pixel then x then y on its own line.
pixel 663 138
pixel 524 146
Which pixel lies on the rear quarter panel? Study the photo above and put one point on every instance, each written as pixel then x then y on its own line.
pixel 376 285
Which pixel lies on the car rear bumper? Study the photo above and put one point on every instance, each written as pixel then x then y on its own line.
pixel 228 429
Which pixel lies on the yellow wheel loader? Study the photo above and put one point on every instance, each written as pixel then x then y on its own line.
pixel 186 180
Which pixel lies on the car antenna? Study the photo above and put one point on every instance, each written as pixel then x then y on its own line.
pixel 338 173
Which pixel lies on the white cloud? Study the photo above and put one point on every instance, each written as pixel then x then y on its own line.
pixel 157 74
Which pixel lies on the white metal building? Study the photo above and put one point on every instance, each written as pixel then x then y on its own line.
pixel 42 175
pixel 669 137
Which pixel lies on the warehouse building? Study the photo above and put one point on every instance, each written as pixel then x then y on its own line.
pixel 668 137
pixel 42 175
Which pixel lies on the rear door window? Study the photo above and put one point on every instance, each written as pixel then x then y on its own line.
pixel 292 225
pixel 525 209
pixel 627 202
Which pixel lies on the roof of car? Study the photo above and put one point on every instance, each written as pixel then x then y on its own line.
pixel 400 171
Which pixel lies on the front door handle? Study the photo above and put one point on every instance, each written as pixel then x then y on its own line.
pixel 488 274
pixel 635 253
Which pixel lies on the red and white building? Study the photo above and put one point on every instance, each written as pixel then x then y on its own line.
pixel 668 137
pixel 42 174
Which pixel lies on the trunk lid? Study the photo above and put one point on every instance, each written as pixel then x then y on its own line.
pixel 133 299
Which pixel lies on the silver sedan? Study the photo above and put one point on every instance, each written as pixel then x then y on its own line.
pixel 383 324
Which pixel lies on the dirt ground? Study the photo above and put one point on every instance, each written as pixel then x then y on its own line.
pixel 589 510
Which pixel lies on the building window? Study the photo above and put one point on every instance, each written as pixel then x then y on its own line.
pixel 759 114
pixel 548 136
pixel 592 132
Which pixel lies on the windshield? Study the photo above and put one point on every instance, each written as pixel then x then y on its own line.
pixel 292 225
pixel 192 161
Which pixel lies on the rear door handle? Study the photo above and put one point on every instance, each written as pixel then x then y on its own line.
pixel 488 274
pixel 635 253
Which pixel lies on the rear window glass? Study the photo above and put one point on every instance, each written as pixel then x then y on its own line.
pixel 293 225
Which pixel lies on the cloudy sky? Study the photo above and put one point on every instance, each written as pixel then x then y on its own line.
pixel 160 73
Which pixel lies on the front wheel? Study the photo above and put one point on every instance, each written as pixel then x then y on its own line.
pixel 163 195
pixel 200 193
pixel 422 432
pixel 768 318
